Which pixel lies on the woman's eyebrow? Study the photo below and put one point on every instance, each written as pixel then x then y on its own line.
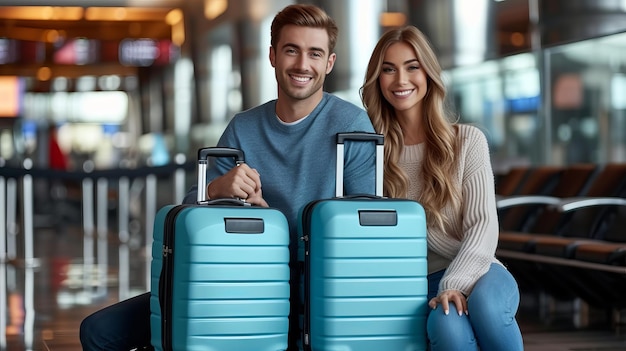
pixel 405 62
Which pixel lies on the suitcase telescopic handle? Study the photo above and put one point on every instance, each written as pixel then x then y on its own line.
pixel 378 139
pixel 203 160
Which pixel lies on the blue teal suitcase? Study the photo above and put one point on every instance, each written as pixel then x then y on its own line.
pixel 365 271
pixel 219 274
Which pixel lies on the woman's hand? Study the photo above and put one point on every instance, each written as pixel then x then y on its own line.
pixel 448 296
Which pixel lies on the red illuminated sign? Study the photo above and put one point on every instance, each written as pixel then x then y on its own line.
pixel 77 51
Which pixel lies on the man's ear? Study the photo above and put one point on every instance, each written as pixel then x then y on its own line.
pixel 331 62
pixel 272 56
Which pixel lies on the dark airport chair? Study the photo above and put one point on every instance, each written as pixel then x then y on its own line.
pixel 529 212
pixel 555 232
pixel 517 212
pixel 509 183
pixel 603 272
pixel 589 215
pixel 532 212
pixel 594 267
pixel 574 222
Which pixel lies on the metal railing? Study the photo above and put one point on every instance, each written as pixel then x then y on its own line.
pixel 18 198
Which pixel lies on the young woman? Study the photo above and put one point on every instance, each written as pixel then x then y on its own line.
pixel 446 167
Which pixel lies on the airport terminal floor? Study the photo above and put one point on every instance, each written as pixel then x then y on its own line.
pixel 48 298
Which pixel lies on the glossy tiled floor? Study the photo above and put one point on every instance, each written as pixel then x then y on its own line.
pixel 47 300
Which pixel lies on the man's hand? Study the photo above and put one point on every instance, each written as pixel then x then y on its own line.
pixel 257 199
pixel 240 182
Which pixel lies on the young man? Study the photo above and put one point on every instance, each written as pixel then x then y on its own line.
pixel 290 149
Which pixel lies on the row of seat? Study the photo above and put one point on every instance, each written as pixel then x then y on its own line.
pixel 563 231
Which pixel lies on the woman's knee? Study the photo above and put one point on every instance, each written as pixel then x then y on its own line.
pixel 495 294
pixel 451 331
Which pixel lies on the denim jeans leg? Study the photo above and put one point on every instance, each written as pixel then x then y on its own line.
pixel 491 323
pixel 122 326
pixel 493 307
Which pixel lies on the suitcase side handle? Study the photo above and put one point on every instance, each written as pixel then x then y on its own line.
pixel 203 161
pixel 378 139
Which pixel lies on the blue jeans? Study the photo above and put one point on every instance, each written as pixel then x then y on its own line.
pixel 491 323
pixel 119 327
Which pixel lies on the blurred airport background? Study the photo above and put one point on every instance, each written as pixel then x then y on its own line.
pixel 104 103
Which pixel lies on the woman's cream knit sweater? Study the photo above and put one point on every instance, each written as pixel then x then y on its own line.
pixel 466 260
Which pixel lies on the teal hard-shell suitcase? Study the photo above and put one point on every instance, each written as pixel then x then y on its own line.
pixel 365 271
pixel 220 274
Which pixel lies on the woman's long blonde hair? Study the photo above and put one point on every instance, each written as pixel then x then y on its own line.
pixel 439 130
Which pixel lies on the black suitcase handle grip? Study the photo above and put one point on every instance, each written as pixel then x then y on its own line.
pixel 360 136
pixel 205 153
pixel 203 161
